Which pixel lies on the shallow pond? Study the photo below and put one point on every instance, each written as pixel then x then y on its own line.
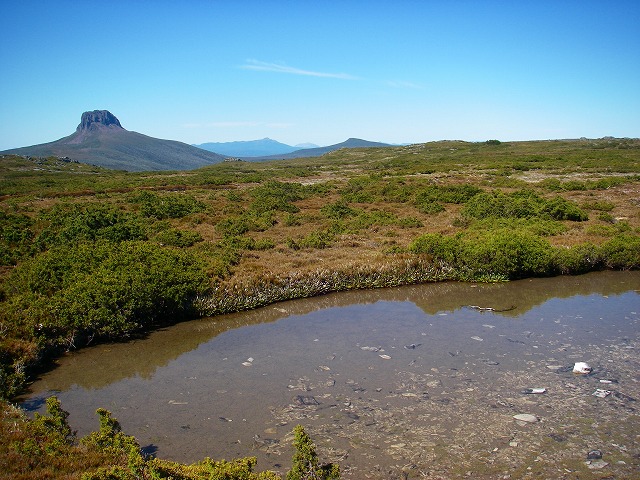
pixel 417 382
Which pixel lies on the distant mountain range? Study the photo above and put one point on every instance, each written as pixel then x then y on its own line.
pixel 268 149
pixel 252 148
pixel 318 151
pixel 101 140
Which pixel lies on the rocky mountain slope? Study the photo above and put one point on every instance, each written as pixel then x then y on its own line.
pixel 101 140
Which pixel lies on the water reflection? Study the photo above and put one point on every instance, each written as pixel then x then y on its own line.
pixel 104 364
pixel 381 376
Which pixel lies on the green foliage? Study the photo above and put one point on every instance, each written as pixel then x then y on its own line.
pixel 278 196
pixel 88 222
pixel 503 253
pixel 55 422
pixel 103 289
pixel 167 205
pixel 510 254
pixel 558 208
pixel 493 142
pixel 178 238
pixel 534 226
pixel 305 464
pixel 622 252
pixel 250 221
pixel 521 204
pixel 111 440
pixel 16 235
pixel 601 205
pixel 15 357
pixel 319 239
pixel 429 200
pixel 337 211
pixel 447 193
pixel 579 259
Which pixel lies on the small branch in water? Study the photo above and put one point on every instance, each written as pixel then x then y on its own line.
pixel 491 309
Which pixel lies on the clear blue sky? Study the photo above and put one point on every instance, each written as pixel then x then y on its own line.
pixel 322 71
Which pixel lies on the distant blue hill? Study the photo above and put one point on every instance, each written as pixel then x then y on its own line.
pixel 319 151
pixel 251 148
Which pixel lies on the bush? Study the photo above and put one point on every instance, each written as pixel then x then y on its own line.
pixel 178 238
pixel 104 290
pixel 16 236
pixel 68 224
pixel 167 205
pixel 278 196
pixel 521 204
pixel 305 464
pixel 337 210
pixel 560 209
pixel 509 254
pixel 502 253
pixel 622 252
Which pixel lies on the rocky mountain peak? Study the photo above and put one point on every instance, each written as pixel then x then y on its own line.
pixel 97 118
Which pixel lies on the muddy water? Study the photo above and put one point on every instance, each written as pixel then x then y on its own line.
pixel 413 382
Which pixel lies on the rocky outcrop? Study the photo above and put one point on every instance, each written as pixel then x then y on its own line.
pixel 97 118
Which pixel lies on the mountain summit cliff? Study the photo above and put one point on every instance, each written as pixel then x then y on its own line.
pixel 96 119
pixel 101 140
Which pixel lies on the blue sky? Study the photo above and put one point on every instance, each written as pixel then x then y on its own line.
pixel 322 71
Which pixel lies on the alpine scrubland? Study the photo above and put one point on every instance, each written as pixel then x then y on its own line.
pixel 89 254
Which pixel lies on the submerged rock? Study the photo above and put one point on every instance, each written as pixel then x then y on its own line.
pixel 526 417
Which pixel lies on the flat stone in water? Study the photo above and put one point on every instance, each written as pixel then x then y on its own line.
pixel 526 417
pixel 306 400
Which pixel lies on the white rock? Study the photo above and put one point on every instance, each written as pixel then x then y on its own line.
pixel 582 367
pixel 526 417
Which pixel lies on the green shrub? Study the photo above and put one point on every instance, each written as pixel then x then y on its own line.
pixel 16 236
pixel 167 205
pixel 601 205
pixel 337 210
pixel 88 222
pixel 441 247
pixel 105 290
pixel 305 464
pixel 560 209
pixel 429 200
pixel 278 196
pixel 178 238
pixel 509 254
pixel 502 253
pixel 521 204
pixel 250 221
pixel 622 252
pixel 579 259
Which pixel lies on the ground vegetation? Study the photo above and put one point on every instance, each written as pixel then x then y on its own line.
pixel 89 255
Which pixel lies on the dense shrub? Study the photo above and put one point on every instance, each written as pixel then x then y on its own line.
pixel 509 254
pixel 521 204
pixel 176 237
pixel 429 200
pixel 67 224
pixel 102 289
pixel 502 253
pixel 622 252
pixel 16 235
pixel 250 221
pixel 560 209
pixel 167 205
pixel 278 196
pixel 305 464
pixel 337 210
